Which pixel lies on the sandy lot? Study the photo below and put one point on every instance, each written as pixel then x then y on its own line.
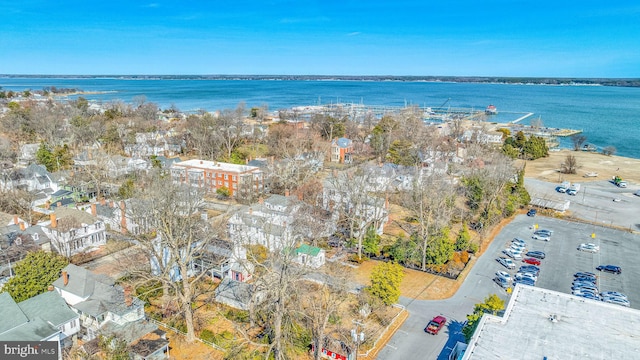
pixel 548 169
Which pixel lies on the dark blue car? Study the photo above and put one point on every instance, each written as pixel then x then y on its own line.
pixel 610 268
pixel 532 212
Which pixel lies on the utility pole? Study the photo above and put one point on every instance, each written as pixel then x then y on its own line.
pixel 357 337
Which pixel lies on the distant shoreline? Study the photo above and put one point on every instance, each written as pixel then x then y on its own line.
pixel 622 82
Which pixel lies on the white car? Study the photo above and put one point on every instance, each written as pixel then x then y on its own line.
pixel 614 294
pixel 504 275
pixel 508 263
pixel 589 247
pixel 582 292
pixel 525 275
pixel 617 301
pixel 513 254
pixel 519 242
pixel 541 237
pixel 516 247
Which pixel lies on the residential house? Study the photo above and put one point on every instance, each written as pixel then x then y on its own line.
pixel 73 231
pixel 268 223
pixel 45 317
pixel 238 295
pixel 106 308
pixel 224 259
pixel 342 150
pixel 157 143
pixel 15 243
pixel 212 175
pixel 311 256
pixel 336 349
pixel 32 178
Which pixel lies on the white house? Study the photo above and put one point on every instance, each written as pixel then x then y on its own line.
pixel 74 231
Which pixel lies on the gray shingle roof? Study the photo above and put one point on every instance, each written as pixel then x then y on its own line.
pixel 10 313
pixel 49 306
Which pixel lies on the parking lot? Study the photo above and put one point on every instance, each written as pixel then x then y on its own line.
pixel 563 259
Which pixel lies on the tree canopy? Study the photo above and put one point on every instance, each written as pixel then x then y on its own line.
pixel 492 304
pixel 34 274
pixel 386 278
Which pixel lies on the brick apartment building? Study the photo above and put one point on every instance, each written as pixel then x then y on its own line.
pixel 212 175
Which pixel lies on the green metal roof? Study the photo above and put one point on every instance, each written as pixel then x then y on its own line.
pixel 308 249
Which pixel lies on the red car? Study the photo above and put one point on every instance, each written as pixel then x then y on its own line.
pixel 532 261
pixel 435 325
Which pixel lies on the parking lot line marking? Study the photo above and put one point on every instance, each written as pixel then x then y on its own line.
pixel 391 346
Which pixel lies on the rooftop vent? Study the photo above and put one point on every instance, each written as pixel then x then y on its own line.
pixel 553 318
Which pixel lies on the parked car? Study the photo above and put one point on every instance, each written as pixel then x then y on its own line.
pixel 590 296
pixel 508 263
pixel 525 281
pixel 544 232
pixel 584 274
pixel 532 212
pixel 517 246
pixel 504 275
pixel 584 280
pixel 583 284
pixel 581 292
pixel 519 241
pixel 530 268
pixel 515 255
pixel 502 282
pixel 614 294
pixel 526 275
pixel 531 260
pixel 591 288
pixel 610 268
pixel 544 237
pixel 617 301
pixel 589 247
pixel 536 254
pixel 434 326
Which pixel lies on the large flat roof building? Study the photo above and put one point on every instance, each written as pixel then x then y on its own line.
pixel 544 324
pixel 212 175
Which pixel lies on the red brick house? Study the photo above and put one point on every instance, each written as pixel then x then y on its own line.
pixel 341 150
pixel 212 175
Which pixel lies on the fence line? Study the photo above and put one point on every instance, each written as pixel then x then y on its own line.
pixel 383 333
pixel 184 334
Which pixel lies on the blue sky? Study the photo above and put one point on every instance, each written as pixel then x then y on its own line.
pixel 560 38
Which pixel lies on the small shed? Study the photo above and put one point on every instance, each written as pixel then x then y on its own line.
pixel 310 256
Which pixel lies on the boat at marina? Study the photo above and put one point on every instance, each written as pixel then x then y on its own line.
pixel 491 110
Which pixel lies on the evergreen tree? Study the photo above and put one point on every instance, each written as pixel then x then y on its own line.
pixel 463 241
pixel 386 278
pixel 34 274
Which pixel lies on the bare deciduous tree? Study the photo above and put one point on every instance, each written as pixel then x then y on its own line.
pixel 570 165
pixel 174 236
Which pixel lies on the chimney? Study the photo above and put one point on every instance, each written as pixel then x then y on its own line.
pixel 103 201
pixel 201 162
pixel 250 211
pixel 15 219
pixel 111 204
pixel 123 218
pixel 50 288
pixel 54 222
pixel 246 161
pixel 65 278
pixel 47 205
pixel 286 192
pixel 94 211
pixel 128 299
pixel 22 226
pixel 260 200
pixel 59 203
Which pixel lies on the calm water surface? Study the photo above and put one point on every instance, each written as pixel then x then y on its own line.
pixel 609 116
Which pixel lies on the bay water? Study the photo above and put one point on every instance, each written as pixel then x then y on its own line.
pixel 608 116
